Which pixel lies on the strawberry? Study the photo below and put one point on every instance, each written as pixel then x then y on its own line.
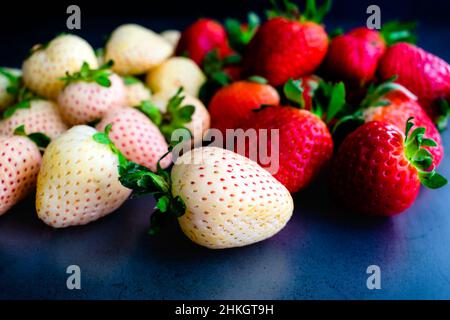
pixel 426 75
pixel 354 57
pixel 20 160
pixel 43 69
pixel 135 91
pixel 233 104
pixel 222 200
pixel 174 73
pixel 37 115
pixel 200 38
pixel 378 169
pixel 78 182
pixel 136 137
pixel 9 86
pixel 288 45
pixel 135 49
pixel 171 36
pixel 180 111
pixel 90 93
pixel 393 103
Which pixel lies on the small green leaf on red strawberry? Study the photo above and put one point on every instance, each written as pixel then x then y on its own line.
pixel 239 35
pixel 394 32
pixel 293 90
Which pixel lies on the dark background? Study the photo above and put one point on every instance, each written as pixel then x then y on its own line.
pixel 22 24
pixel 321 254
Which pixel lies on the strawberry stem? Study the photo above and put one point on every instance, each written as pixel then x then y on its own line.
pixel 86 74
pixel 40 139
pixel 289 10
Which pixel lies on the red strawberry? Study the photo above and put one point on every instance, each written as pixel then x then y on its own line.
pixel 305 144
pixel 289 46
pixel 201 37
pixel 392 103
pixel 426 75
pixel 377 171
pixel 20 160
pixel 354 57
pixel 234 104
pixel 136 137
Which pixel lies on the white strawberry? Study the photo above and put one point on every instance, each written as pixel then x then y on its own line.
pixel 198 123
pixel 90 94
pixel 36 115
pixel 174 73
pixel 135 49
pixel 78 182
pixel 223 200
pixel 20 160
pixel 43 69
pixel 171 36
pixel 136 91
pixel 9 86
pixel 137 137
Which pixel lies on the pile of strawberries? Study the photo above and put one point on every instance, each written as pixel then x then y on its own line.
pixel 86 129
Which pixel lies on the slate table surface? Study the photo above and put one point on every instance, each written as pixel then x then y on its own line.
pixel 321 254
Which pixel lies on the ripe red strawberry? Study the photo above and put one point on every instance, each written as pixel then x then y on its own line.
pixel 201 37
pixel 426 75
pixel 288 46
pixel 393 103
pixel 136 137
pixel 378 171
pixel 90 94
pixel 20 160
pixel 233 105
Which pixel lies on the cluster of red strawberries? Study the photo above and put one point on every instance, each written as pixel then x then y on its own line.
pixel 86 129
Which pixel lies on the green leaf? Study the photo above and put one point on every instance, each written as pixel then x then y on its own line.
pixel 129 80
pixel 163 203
pixel 40 139
pixel 258 79
pixel 103 81
pixel 86 74
pixel 238 36
pixel 432 180
pixel 337 101
pixel 151 111
pixel 9 112
pixel 443 114
pixel 395 32
pixel 293 90
pixel 185 113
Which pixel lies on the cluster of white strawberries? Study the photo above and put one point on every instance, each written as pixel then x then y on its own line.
pixel 83 131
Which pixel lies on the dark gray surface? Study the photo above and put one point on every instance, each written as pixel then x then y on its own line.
pixel 321 254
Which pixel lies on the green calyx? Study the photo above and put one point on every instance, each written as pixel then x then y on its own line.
pixel 24 98
pixel 376 94
pixel 420 157
pixel 143 182
pixel 129 80
pixel 86 74
pixel 328 98
pixel 14 81
pixel 288 9
pixel 40 139
pixel 176 116
pixel 394 32
pixel 443 114
pixel 240 36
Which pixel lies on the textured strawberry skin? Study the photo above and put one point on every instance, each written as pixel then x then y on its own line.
pixel 354 57
pixel 136 137
pixel 283 49
pixel 426 75
pixel 201 37
pixel 20 161
pixel 230 200
pixel 398 113
pixel 43 116
pixel 234 104
pixel 370 173
pixel 305 144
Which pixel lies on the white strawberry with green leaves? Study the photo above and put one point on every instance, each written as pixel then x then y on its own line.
pixel 136 91
pixel 90 93
pixel 48 63
pixel 182 111
pixel 78 181
pixel 135 49
pixel 9 86
pixel 222 200
pixel 20 160
pixel 136 136
pixel 37 115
